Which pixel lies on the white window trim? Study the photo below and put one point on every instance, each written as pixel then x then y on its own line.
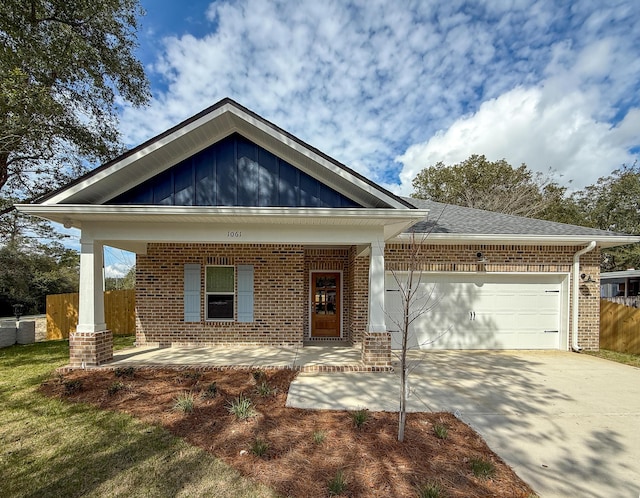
pixel 207 294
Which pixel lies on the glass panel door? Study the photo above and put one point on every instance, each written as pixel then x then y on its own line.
pixel 325 309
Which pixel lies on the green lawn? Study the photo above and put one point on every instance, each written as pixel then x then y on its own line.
pixel 626 358
pixel 52 448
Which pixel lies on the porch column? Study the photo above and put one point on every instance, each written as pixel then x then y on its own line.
pixel 376 344
pixel 92 343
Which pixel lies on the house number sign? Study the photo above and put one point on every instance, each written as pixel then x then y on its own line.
pixel 234 234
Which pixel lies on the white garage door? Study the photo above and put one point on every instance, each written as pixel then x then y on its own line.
pixel 457 311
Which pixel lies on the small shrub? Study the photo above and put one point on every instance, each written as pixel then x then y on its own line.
pixel 210 391
pixel 319 437
pixel 264 389
pixel 184 402
pixel 189 376
pixel 127 372
pixel 338 484
pixel 430 490
pixel 484 469
pixel 359 417
pixel 115 388
pixel 440 430
pixel 72 386
pixel 259 447
pixel 242 408
pixel 258 375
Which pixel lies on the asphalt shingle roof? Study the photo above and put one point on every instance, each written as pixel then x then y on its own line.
pixel 447 218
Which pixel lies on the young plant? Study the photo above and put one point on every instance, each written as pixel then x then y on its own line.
pixel 115 388
pixel 440 430
pixel 338 484
pixel 190 376
pixel 72 386
pixel 259 447
pixel 258 375
pixel 484 469
pixel 127 372
pixel 210 391
pixel 242 408
pixel 184 402
pixel 319 437
pixel 264 389
pixel 430 490
pixel 359 417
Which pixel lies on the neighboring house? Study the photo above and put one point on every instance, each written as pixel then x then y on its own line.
pixel 622 287
pixel 244 234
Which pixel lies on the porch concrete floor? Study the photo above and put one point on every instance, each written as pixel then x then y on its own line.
pixel 309 357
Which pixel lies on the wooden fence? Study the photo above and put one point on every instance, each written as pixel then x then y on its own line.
pixel 119 313
pixel 619 327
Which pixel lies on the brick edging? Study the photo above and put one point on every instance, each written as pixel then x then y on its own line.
pixel 221 368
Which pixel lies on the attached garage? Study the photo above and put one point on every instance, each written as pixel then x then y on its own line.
pixel 481 311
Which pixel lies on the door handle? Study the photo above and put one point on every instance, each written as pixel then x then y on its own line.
pixel 472 316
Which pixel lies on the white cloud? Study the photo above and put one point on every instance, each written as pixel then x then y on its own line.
pixel 369 82
pixel 521 127
pixel 116 270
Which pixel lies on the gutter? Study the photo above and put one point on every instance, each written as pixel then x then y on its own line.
pixel 576 298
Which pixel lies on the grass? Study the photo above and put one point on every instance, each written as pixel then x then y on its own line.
pixel 337 485
pixel 359 417
pixel 440 430
pixel 484 469
pixel 185 402
pixel 625 358
pixel 319 437
pixel 259 447
pixel 242 408
pixel 430 490
pixel 264 389
pixel 50 448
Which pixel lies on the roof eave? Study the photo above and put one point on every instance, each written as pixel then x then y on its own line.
pixel 517 239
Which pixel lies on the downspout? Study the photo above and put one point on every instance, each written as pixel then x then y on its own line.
pixel 576 297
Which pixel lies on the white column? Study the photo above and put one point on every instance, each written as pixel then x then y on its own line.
pixel 91 302
pixel 376 288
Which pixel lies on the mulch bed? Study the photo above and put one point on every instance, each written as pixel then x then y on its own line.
pixel 295 464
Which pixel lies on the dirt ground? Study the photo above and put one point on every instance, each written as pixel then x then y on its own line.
pixel 306 449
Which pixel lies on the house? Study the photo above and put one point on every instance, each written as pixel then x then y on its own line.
pixel 624 284
pixel 245 234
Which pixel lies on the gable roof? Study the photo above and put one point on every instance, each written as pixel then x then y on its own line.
pixel 447 222
pixel 204 129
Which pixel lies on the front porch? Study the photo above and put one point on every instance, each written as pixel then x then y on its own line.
pixel 308 358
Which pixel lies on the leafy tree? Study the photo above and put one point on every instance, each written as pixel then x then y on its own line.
pixel 613 203
pixel 495 186
pixel 64 68
pixel 27 277
pixel 121 283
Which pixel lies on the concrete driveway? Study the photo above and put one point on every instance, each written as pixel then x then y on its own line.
pixel 568 424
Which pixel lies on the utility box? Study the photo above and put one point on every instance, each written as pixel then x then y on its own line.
pixel 8 333
pixel 26 333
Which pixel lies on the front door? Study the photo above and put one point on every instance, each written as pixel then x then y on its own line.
pixel 325 305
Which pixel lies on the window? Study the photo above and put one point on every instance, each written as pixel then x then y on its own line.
pixel 220 292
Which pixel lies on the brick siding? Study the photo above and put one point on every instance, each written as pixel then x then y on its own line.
pixel 281 288
pixel 279 298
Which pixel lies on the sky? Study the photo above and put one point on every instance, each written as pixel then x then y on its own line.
pixel 389 88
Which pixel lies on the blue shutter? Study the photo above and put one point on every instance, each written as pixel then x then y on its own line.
pixel 245 293
pixel 191 293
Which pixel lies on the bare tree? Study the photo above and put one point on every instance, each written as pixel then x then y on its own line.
pixel 415 301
